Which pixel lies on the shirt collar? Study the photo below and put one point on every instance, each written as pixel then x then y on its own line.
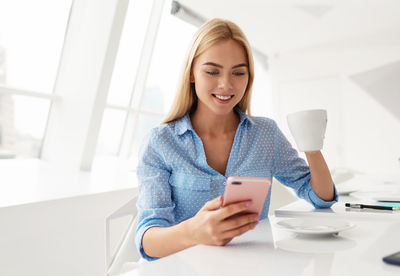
pixel 243 116
pixel 184 124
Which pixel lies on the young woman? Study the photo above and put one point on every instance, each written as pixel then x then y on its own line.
pixel 208 136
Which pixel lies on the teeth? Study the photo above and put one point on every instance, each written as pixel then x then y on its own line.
pixel 223 97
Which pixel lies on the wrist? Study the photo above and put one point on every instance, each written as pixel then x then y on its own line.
pixel 187 232
pixel 310 153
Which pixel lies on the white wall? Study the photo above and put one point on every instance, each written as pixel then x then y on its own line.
pixel 362 134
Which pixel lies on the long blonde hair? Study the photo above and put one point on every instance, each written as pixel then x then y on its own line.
pixel 213 31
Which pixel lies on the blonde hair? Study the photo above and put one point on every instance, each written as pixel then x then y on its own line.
pixel 213 31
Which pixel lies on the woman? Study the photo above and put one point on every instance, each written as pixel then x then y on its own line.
pixel 207 137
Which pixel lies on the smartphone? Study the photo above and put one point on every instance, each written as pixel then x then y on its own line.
pixel 393 259
pixel 239 188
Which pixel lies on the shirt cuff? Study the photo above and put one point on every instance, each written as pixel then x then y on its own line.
pixel 140 232
pixel 320 203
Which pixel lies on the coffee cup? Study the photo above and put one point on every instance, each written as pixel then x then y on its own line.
pixel 308 128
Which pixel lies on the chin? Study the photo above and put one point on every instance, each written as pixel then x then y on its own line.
pixel 217 109
pixel 222 111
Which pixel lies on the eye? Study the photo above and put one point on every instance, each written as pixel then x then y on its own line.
pixel 238 73
pixel 212 72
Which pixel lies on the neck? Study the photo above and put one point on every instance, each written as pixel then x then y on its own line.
pixel 208 123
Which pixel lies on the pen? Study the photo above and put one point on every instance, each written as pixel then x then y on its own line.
pixel 362 206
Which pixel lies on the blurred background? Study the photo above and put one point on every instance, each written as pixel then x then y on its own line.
pixel 82 82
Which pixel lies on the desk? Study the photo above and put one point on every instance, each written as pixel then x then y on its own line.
pixel 34 181
pixel 301 208
pixel 269 250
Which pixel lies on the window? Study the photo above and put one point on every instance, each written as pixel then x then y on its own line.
pixel 144 108
pixel 123 78
pixel 31 40
pixel 173 40
pixel 23 121
pixel 261 101
pixel 111 131
pixel 129 52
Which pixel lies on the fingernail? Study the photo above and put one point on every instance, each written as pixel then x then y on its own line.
pixel 256 218
pixel 249 203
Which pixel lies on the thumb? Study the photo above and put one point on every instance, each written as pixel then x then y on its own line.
pixel 213 204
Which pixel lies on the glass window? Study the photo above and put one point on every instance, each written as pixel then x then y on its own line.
pixel 123 78
pixel 31 39
pixel 173 39
pixel 129 51
pixel 111 131
pixel 22 122
pixel 261 100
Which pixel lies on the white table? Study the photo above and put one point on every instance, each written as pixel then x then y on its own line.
pixel 269 250
pixel 32 181
pixel 301 208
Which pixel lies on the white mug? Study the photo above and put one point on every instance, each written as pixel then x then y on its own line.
pixel 308 128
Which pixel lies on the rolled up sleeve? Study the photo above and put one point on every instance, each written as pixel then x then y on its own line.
pixel 293 171
pixel 317 202
pixel 155 205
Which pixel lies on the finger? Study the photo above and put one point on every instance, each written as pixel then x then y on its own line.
pixel 213 204
pixel 224 242
pixel 230 234
pixel 233 209
pixel 239 221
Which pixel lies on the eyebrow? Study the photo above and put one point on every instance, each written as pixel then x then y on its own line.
pixel 220 66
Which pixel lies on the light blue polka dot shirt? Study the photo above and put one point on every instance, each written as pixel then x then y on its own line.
pixel 175 180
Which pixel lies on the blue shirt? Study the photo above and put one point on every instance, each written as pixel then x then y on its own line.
pixel 175 180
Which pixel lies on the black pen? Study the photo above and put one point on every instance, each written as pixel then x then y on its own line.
pixel 363 206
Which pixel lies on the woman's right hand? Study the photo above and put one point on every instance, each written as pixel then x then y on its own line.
pixel 213 225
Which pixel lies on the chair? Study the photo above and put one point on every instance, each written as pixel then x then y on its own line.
pixel 125 251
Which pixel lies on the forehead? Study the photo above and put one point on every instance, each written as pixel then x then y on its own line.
pixel 226 52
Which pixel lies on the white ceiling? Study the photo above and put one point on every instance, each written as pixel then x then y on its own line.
pixel 282 26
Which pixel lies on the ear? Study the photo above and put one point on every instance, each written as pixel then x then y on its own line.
pixel 191 77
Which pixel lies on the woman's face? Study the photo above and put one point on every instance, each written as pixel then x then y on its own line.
pixel 220 75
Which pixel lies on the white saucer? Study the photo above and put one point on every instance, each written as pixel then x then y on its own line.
pixel 315 226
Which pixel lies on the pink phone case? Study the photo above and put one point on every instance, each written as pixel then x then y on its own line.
pixel 240 188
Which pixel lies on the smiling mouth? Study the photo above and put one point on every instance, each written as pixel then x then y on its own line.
pixel 223 98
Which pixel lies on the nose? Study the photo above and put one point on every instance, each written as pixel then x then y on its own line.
pixel 225 82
